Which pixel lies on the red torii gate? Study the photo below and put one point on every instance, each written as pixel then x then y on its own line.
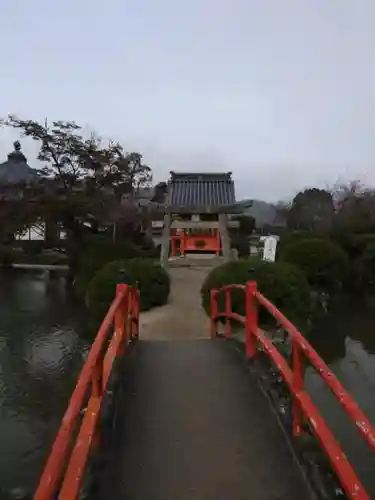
pixel 196 217
pixel 182 241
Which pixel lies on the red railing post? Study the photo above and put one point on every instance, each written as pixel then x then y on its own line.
pixel 297 387
pixel 214 312
pixel 97 393
pixel 120 335
pixel 228 310
pixel 96 380
pixel 218 242
pixel 182 243
pixel 96 367
pixel 251 318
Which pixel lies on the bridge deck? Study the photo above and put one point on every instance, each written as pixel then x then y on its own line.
pixel 192 424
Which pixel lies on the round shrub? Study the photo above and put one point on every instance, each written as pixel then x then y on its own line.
pixel 99 251
pixel 241 244
pixel 361 251
pixel 153 253
pixel 147 247
pixel 324 262
pixel 361 276
pixel 290 238
pixel 153 282
pixel 33 247
pixel 351 243
pixel 281 282
pixel 7 256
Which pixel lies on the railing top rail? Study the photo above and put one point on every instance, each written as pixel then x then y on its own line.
pixel 55 463
pixel 361 421
pixel 302 405
pixel 325 435
pixel 346 401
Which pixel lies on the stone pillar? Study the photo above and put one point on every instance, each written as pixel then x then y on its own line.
pixel 164 251
pixel 225 239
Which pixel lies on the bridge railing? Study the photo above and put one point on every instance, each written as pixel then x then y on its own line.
pixel 303 409
pixel 65 467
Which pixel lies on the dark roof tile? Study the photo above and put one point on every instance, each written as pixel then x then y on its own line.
pixel 16 170
pixel 201 191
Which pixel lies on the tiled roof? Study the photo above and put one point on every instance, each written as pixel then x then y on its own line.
pixel 201 192
pixel 16 170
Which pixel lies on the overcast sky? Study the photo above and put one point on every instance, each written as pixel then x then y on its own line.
pixel 280 92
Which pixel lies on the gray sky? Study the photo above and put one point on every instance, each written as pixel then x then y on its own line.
pixel 280 92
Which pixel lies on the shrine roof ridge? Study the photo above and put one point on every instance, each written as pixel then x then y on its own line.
pixel 201 191
pixel 200 176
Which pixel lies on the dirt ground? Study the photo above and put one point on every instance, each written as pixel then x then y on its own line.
pixel 183 318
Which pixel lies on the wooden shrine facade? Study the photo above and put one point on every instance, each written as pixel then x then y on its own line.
pixel 185 241
pixel 196 214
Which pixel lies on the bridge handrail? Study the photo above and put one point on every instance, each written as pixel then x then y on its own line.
pixel 64 466
pixel 301 401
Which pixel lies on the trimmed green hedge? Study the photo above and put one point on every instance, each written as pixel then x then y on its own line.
pixel 242 245
pixel 281 282
pixel 290 238
pixel 7 256
pixel 100 251
pixel 361 251
pixel 361 277
pixel 153 282
pixel 325 264
pixel 353 244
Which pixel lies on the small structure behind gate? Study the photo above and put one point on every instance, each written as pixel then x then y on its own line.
pixel 196 214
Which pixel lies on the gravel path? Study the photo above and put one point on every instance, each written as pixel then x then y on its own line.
pixel 183 318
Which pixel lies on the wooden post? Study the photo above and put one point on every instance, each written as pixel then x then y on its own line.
pixel 218 239
pixel 182 243
pixel 164 251
pixel 223 227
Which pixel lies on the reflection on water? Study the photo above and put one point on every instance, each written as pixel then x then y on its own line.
pixel 40 356
pixel 346 341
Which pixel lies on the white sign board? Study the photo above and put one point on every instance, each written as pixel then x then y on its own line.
pixel 269 251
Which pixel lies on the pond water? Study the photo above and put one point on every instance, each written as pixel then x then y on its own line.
pixel 40 356
pixel 41 353
pixel 346 341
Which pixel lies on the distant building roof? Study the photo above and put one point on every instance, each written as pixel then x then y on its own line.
pixel 201 192
pixel 15 169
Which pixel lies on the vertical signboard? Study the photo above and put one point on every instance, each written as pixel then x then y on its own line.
pixel 269 251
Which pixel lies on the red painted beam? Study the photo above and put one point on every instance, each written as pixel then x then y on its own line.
pixel 301 402
pixel 346 401
pixel 95 373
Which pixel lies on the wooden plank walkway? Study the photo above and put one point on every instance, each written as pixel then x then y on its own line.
pixel 192 424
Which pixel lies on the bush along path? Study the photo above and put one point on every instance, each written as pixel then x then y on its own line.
pixel 283 283
pixel 151 279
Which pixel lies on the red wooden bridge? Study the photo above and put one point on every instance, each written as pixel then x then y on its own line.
pixel 190 419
